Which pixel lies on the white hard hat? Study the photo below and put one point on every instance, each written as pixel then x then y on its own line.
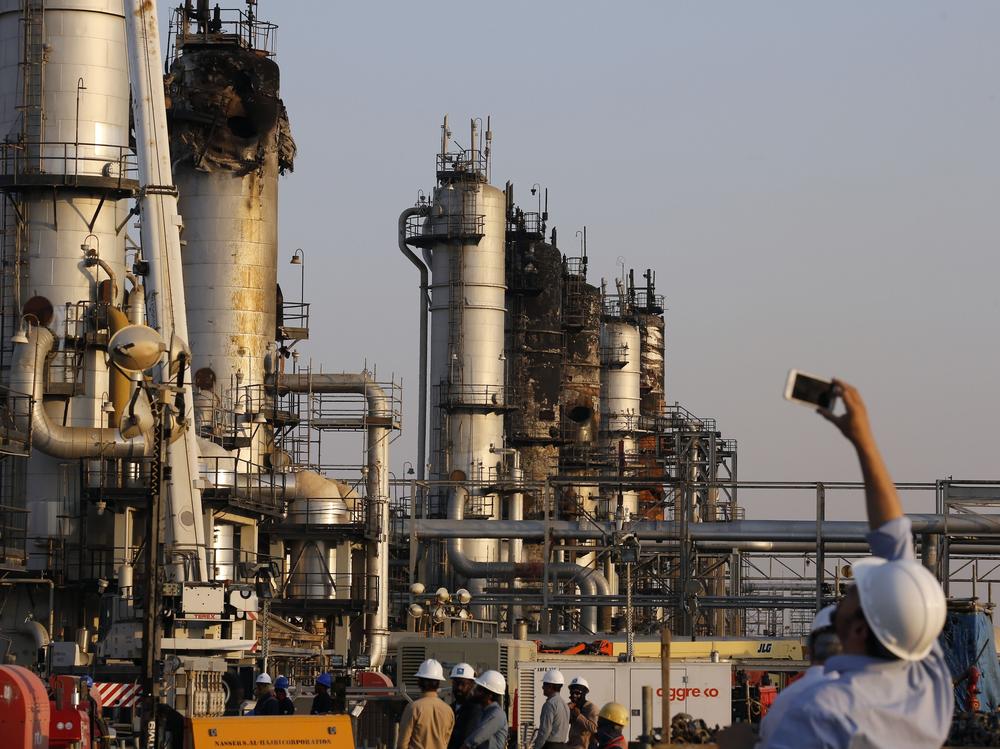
pixel 823 618
pixel 579 681
pixel 263 679
pixel 430 669
pixel 903 604
pixel 463 671
pixel 492 681
pixel 554 676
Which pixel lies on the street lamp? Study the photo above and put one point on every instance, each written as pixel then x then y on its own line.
pixel 299 259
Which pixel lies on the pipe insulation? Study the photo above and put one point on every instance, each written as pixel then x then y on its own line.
pixel 590 582
pixel 420 210
pixel 736 531
pixel 27 375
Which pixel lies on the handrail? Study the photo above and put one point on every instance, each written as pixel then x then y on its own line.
pixel 63 159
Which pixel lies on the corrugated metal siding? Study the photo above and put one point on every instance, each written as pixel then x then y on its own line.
pixel 526 706
pixel 410 658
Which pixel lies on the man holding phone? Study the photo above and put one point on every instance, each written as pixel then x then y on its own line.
pixel 893 687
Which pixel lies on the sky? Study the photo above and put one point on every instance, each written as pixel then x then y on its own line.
pixel 815 185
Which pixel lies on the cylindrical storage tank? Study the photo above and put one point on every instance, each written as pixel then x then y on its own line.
pixel 620 398
pixel 64 112
pixel 467 342
pixel 314 565
pixel 225 552
pixel 229 140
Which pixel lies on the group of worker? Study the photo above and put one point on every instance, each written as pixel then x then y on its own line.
pixel 273 699
pixel 577 724
pixel 879 676
pixel 476 718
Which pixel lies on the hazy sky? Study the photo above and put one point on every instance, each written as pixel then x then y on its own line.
pixel 816 185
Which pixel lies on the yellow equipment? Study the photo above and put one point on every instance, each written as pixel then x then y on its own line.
pixel 785 649
pixel 615 712
pixel 271 732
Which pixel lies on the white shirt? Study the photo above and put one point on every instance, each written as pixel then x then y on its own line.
pixel 874 702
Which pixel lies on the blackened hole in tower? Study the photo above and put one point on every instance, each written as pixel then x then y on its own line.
pixel 242 127
pixel 580 414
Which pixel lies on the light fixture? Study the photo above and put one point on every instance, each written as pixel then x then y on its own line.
pixel 107 406
pixel 463 596
pixel 443 595
pixel 296 260
pixel 417 588
pixel 415 610
pixel 259 418
pixel 19 337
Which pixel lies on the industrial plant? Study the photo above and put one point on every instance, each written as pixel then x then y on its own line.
pixel 175 512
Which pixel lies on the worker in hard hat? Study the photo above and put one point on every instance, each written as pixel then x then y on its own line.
pixel 611 720
pixel 491 733
pixel 822 644
pixel 893 687
pixel 427 722
pixel 322 702
pixel 285 704
pixel 582 714
pixel 467 709
pixel 267 703
pixel 553 723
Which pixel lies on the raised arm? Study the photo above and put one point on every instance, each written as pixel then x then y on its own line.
pixel 881 498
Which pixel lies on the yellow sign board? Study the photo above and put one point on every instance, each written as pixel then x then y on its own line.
pixel 271 732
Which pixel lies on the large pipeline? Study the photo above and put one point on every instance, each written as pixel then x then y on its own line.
pixel 420 210
pixel 377 554
pixel 591 582
pixel 57 440
pixel 736 531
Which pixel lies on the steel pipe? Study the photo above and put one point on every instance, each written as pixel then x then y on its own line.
pixel 420 210
pixel 732 532
pixel 591 582
pixel 57 440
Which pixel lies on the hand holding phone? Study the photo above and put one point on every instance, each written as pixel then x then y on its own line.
pixel 810 390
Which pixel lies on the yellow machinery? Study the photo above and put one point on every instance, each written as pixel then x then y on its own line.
pixel 270 732
pixel 789 649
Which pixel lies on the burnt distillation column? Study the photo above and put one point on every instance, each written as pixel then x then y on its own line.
pixel 66 172
pixel 580 400
pixel 534 360
pixel 534 281
pixel 229 142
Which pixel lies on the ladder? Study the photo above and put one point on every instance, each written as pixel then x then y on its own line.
pixel 32 82
pixel 12 230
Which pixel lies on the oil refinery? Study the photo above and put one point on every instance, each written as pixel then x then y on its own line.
pixel 175 517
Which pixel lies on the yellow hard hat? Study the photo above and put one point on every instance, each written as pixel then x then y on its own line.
pixel 615 712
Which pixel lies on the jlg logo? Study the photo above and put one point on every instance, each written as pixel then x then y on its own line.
pixel 764 647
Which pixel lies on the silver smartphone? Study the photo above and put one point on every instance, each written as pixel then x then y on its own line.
pixel 809 389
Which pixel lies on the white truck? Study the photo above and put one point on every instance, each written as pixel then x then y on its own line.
pixel 703 689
